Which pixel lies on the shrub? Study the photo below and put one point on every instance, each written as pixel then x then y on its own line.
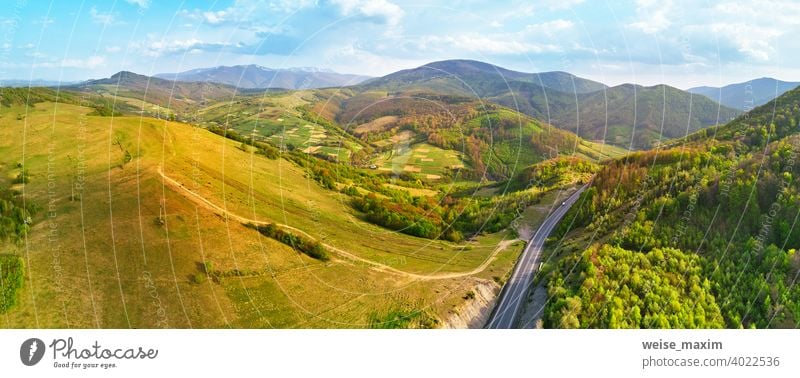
pixel 311 248
pixel 12 269
pixel 198 278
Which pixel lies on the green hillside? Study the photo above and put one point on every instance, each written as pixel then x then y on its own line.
pixel 221 221
pixel 493 141
pixel 718 213
pixel 639 117
pixel 140 249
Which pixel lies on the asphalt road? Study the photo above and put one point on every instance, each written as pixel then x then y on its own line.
pixel 516 288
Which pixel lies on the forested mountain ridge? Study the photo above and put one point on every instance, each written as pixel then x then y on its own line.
pixel 473 76
pixel 638 117
pixel 718 210
pixel 629 116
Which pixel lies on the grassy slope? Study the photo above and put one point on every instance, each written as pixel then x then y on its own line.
pixel 92 272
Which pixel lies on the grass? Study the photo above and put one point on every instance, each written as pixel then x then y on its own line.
pixel 274 118
pixel 417 192
pixel 599 151
pixel 402 317
pixel 429 161
pixel 123 248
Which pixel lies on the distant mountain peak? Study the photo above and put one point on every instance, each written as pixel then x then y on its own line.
pixel 747 94
pixel 478 72
pixel 256 76
pixel 123 74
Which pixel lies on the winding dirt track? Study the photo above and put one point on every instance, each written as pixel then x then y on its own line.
pixel 206 204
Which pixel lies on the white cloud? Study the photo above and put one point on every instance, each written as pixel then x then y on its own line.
pixel 90 62
pixel 36 54
pixel 44 21
pixel 157 48
pixel 383 10
pixel 216 18
pixel 93 61
pixel 342 58
pixel 245 13
pixel 561 4
pixel 113 49
pixel 767 22
pixel 101 18
pixel 140 3
pixel 784 13
pixel 162 47
pixel 289 6
pixel 653 15
pixel 749 39
pixel 549 27
pixel 485 44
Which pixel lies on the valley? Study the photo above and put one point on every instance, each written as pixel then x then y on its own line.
pixel 402 201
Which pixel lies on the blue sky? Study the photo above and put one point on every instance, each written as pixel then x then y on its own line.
pixel 681 43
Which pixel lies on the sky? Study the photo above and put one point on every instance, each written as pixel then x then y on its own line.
pixel 680 43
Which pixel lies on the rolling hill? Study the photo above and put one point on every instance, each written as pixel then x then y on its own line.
pixel 628 116
pixel 171 95
pixel 746 95
pixel 221 223
pixel 255 76
pixel 159 224
pixel 496 142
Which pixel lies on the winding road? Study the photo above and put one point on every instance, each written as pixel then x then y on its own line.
pixel 516 289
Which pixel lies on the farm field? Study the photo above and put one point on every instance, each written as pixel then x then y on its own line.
pixel 429 161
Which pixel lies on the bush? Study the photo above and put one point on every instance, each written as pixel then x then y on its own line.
pixel 198 278
pixel 12 270
pixel 23 177
pixel 15 220
pixel 264 149
pixel 311 248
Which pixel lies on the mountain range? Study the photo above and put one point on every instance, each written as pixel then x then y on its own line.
pixel 428 166
pixel 479 78
pixel 746 95
pixel 630 116
pixel 255 76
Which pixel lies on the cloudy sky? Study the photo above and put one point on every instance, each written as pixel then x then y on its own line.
pixel 681 43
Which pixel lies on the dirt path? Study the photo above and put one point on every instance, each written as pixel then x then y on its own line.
pixel 208 205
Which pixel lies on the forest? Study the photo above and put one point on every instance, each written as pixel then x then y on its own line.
pixel 723 206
